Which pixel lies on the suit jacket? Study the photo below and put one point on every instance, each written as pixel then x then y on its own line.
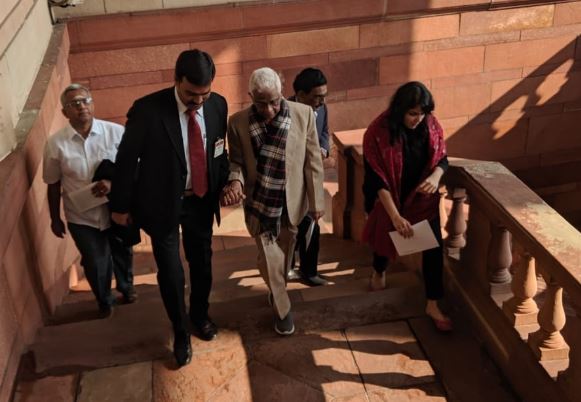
pixel 303 163
pixel 321 121
pixel 151 169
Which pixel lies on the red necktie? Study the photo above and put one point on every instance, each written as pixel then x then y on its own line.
pixel 197 156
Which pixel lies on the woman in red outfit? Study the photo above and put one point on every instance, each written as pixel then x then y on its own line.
pixel 405 158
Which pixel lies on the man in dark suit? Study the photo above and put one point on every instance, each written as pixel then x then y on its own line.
pixel 171 168
pixel 310 87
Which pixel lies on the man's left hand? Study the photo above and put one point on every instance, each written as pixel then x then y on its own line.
pixel 101 188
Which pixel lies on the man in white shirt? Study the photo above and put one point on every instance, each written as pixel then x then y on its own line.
pixel 71 158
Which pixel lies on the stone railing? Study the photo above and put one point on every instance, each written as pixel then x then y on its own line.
pixel 512 245
pixel 511 258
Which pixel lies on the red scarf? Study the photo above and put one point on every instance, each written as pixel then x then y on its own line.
pixel 387 162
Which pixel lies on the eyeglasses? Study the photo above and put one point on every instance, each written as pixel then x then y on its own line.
pixel 264 105
pixel 78 102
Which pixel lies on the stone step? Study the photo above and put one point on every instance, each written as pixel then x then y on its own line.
pixel 465 369
pixel 141 331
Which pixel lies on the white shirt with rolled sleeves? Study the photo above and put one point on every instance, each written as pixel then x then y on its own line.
pixel 73 160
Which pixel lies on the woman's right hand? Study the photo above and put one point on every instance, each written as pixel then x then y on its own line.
pixel 402 226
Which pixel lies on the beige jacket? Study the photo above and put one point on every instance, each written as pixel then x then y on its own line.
pixel 304 165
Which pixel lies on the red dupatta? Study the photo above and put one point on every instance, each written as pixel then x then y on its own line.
pixel 387 162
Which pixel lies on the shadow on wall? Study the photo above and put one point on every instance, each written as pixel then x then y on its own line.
pixel 529 116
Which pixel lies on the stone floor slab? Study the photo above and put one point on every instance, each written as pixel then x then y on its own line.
pixel 50 388
pixel 454 356
pixel 431 392
pixel 271 385
pixel 321 360
pixel 388 356
pixel 208 372
pixel 131 383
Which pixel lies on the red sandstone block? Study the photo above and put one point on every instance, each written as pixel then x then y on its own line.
pixel 351 115
pixel 375 52
pixel 528 53
pixel 553 133
pixel 316 60
pixel 124 61
pixel 234 50
pixel 501 140
pixel 314 41
pixel 125 80
pixel 115 102
pixel 478 78
pixel 560 156
pixel 546 69
pixel 17 279
pixel 462 100
pixel 552 32
pixel 480 22
pixel 403 31
pixel 233 87
pixel 567 13
pixel 535 91
pixel 572 106
pixel 228 69
pixel 340 76
pixel 313 12
pixel 372 92
pixel 471 40
pixel 170 27
pixel 425 65
pixel 400 7
pixel 565 202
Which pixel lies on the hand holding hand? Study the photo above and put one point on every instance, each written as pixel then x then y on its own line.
pixel 232 194
pixel 402 226
pixel 101 188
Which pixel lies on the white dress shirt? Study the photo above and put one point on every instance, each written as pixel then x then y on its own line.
pixel 184 126
pixel 72 159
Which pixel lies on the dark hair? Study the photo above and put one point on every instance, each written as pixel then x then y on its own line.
pixel 308 79
pixel 197 66
pixel 407 97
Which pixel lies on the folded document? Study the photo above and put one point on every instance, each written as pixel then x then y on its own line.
pixel 83 198
pixel 423 239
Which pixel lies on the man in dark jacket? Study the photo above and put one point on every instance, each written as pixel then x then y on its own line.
pixel 170 169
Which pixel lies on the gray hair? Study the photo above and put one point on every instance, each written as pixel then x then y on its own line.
pixel 264 78
pixel 73 87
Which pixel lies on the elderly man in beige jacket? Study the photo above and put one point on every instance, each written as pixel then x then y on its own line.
pixel 276 167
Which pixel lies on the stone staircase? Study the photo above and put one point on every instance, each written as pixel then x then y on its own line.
pixel 350 345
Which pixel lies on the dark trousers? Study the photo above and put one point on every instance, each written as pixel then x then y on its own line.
pixel 103 254
pixel 432 265
pixel 196 222
pixel 309 256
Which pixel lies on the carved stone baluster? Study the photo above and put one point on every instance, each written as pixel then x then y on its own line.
pixel 548 343
pixel 456 224
pixel 570 379
pixel 521 309
pixel 499 255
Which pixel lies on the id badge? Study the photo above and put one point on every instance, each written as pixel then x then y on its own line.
pixel 218 147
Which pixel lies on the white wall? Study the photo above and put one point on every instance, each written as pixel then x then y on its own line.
pixel 25 30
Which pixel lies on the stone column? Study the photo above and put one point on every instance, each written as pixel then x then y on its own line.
pixel 521 309
pixel 456 224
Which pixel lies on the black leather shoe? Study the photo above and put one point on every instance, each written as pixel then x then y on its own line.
pixel 205 329
pixel 182 348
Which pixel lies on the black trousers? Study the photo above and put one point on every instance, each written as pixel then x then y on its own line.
pixel 309 256
pixel 102 254
pixel 432 265
pixel 196 222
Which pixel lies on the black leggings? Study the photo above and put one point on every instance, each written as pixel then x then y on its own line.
pixel 432 265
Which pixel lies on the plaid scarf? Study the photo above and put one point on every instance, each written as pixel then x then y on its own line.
pixel 269 146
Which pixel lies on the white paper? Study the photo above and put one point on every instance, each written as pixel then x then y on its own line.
pixel 83 198
pixel 309 234
pixel 423 239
